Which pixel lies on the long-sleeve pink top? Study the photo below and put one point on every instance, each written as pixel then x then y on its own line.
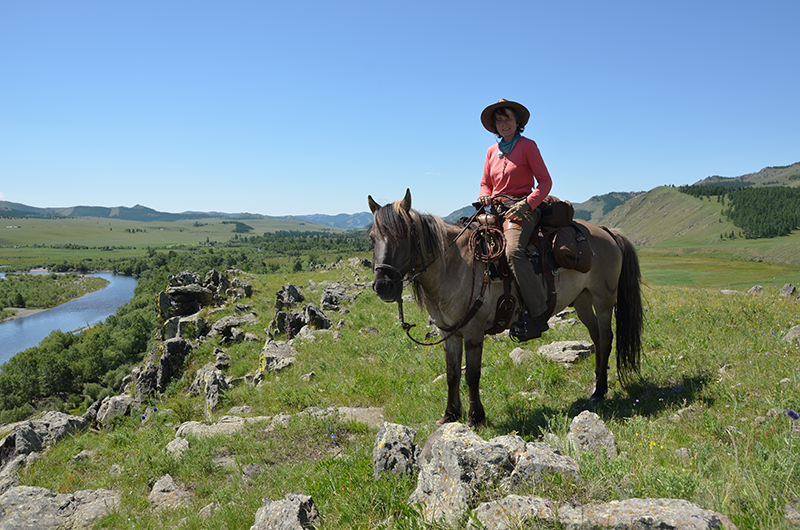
pixel 517 174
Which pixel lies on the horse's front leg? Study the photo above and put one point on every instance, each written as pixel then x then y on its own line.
pixel 474 351
pixel 452 355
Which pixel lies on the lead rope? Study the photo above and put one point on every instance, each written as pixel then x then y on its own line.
pixel 495 243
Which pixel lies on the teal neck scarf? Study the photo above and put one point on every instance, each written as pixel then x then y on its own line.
pixel 503 147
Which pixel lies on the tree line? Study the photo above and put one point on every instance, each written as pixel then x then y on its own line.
pixel 758 212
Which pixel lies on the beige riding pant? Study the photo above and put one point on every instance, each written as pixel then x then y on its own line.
pixel 533 292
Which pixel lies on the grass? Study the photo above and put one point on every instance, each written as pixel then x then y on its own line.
pixel 715 384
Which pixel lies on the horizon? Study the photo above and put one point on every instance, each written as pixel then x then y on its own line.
pixel 312 107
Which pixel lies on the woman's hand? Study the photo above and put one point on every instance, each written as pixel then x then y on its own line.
pixel 485 200
pixel 518 211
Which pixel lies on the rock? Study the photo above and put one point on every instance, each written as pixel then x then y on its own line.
pixel 295 512
pixel 33 436
pixel 288 296
pixel 275 356
pixel 187 300
pixel 456 464
pixel 146 382
pixel 372 416
pixel 629 514
pixel 793 334
pixel 177 446
pixel 251 471
pixel 241 410
pixel 567 352
pixel 112 407
pixel 756 290
pixel 226 425
pixel 520 355
pixel 730 292
pixel 222 359
pixel 587 432
pixel 83 456
pixel 225 326
pixel 395 450
pixel 788 290
pixel 30 507
pixel 208 510
pixel 214 384
pixel 173 355
pixel 168 494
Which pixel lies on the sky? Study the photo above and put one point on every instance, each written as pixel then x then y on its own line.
pixel 306 107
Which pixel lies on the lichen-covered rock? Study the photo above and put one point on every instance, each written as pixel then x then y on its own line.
pixel 587 432
pixel 112 407
pixel 26 507
pixel 168 494
pixel 295 512
pixel 395 450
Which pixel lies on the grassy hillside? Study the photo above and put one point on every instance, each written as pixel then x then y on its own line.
pixel 665 221
pixel 769 176
pixel 705 422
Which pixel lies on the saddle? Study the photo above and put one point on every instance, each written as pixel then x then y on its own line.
pixel 557 242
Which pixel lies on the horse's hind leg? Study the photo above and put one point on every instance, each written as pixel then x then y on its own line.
pixel 452 356
pixel 595 314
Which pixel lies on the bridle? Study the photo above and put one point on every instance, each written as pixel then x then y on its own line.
pixel 411 276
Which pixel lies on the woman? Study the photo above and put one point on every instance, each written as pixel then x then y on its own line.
pixel 514 168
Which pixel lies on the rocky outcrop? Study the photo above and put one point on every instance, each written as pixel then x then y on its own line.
pixel 629 514
pixel 170 364
pixel 25 507
pixel 395 450
pixel 34 435
pixel 112 407
pixel 295 512
pixel 455 464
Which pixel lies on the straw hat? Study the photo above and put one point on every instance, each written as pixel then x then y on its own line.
pixel 488 122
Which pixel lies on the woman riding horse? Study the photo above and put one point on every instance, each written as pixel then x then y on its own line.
pixel 512 169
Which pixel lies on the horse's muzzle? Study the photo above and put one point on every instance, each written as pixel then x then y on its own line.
pixel 387 285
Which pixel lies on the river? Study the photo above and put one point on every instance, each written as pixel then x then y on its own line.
pixel 23 333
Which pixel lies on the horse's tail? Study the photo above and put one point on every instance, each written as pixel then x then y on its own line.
pixel 629 310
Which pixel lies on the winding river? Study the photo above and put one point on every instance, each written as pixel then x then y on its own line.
pixel 23 333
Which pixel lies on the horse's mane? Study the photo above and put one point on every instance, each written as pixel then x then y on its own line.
pixel 394 223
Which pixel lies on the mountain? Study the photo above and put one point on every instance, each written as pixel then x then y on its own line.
pixel 599 205
pixel 343 220
pixel 769 176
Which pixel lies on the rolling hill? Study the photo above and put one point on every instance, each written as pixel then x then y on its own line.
pixel 769 176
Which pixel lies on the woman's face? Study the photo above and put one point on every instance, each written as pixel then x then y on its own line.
pixel 506 124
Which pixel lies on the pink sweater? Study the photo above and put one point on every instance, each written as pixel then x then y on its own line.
pixel 524 169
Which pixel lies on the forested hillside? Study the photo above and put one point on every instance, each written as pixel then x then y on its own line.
pixel 758 212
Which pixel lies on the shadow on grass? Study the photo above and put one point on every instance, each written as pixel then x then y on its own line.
pixel 642 399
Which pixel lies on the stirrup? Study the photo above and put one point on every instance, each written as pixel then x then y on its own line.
pixel 527 329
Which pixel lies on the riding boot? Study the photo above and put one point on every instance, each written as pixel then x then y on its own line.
pixel 529 327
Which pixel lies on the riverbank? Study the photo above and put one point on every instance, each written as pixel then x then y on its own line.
pixel 21 312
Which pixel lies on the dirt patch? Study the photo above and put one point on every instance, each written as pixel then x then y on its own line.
pixel 20 312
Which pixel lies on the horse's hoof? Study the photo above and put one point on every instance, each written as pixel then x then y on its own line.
pixel 443 420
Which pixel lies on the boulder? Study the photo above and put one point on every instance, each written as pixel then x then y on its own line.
pixel 112 407
pixel 587 432
pixel 225 326
pixel 168 494
pixel 35 435
pixel 214 385
pixel 30 507
pixel 629 514
pixel 295 512
pixel 173 354
pixel 289 296
pixel 395 450
pixel 146 382
pixel 793 334
pixel 788 290
pixel 275 356
pixel 455 464
pixel 567 352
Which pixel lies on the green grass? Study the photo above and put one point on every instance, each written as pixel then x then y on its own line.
pixel 716 380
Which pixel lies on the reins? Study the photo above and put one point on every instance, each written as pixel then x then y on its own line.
pixel 494 241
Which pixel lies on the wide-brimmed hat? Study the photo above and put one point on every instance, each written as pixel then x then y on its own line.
pixel 486 115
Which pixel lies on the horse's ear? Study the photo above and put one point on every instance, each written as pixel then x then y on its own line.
pixel 373 206
pixel 406 203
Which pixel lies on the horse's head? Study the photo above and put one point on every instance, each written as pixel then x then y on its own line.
pixel 392 233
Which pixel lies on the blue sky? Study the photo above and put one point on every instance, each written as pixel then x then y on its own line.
pixel 284 108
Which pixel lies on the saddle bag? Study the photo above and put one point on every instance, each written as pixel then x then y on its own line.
pixel 555 212
pixel 571 248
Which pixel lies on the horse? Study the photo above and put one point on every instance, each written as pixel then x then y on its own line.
pixel 431 255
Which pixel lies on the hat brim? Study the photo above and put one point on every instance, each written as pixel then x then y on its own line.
pixel 488 122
